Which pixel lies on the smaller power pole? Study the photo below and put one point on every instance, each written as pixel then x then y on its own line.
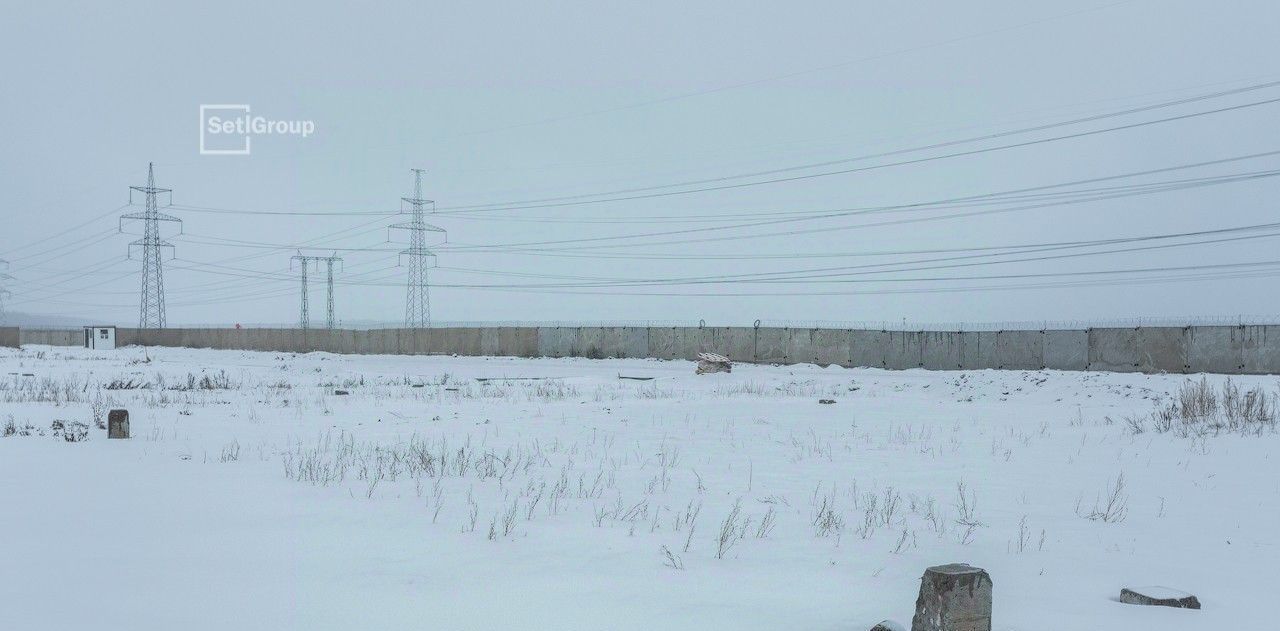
pixel 305 262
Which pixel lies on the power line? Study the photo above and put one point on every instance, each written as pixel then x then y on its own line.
pixel 1140 189
pixel 96 218
pixel 282 213
pixel 581 199
pixel 834 277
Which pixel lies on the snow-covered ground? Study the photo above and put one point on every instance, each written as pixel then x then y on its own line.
pixel 559 495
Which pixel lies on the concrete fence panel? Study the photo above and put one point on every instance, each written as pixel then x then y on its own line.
pixel 831 347
pixel 944 350
pixel 299 339
pixel 771 345
pixel 9 337
pixel 736 343
pixel 1259 349
pixel 984 357
pixel 415 341
pixel 126 337
pixel 382 341
pixel 343 342
pixel 520 341
pixel 690 341
pixel 464 340
pixel 1113 349
pixel 904 350
pixel 868 348
pixel 491 342
pixel 321 340
pixel 265 340
pixel 1213 349
pixel 662 342
pixel 260 340
pixel 624 341
pixel 216 338
pixel 166 337
pixel 221 338
pixel 360 342
pixel 1066 350
pixel 610 342
pixel 1162 349
pixel 308 340
pixel 799 347
pixel 509 341
pixel 432 342
pixel 231 339
pixel 51 337
pixel 635 341
pixel 1020 350
pixel 740 342
pixel 587 343
pixel 970 350
pixel 823 347
pixel 556 341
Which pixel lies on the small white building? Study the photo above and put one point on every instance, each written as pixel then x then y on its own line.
pixel 100 337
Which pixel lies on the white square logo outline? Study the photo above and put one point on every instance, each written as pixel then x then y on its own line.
pixel 222 152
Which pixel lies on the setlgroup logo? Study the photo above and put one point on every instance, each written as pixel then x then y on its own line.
pixel 228 130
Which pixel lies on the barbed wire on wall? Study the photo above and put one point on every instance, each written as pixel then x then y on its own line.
pixel 868 325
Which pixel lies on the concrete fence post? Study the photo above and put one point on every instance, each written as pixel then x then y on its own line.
pixel 953 597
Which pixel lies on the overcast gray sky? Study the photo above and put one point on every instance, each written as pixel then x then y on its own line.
pixel 512 102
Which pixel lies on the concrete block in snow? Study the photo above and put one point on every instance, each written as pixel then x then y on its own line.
pixel 953 597
pixel 118 424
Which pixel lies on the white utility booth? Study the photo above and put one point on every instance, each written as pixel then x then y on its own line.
pixel 100 337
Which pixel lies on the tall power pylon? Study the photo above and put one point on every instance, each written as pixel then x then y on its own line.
pixel 3 292
pixel 305 262
pixel 151 308
pixel 417 308
pixel 329 264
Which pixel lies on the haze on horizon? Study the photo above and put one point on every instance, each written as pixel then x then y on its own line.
pixel 551 140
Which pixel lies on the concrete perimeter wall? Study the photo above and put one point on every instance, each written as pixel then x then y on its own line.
pixel 1218 349
pixel 51 337
pixel 10 336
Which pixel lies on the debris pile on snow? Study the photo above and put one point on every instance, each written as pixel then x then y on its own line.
pixel 712 362
pixel 953 596
pixel 1159 596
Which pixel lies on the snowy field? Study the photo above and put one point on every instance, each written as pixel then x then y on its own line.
pixel 487 493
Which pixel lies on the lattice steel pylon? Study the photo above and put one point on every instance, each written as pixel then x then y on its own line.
pixel 417 308
pixel 3 292
pixel 151 313
pixel 305 263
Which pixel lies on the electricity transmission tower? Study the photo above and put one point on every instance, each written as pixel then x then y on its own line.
pixel 417 308
pixel 305 262
pixel 151 307
pixel 329 263
pixel 3 292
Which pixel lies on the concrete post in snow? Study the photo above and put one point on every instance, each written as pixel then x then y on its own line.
pixel 953 597
pixel 118 424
